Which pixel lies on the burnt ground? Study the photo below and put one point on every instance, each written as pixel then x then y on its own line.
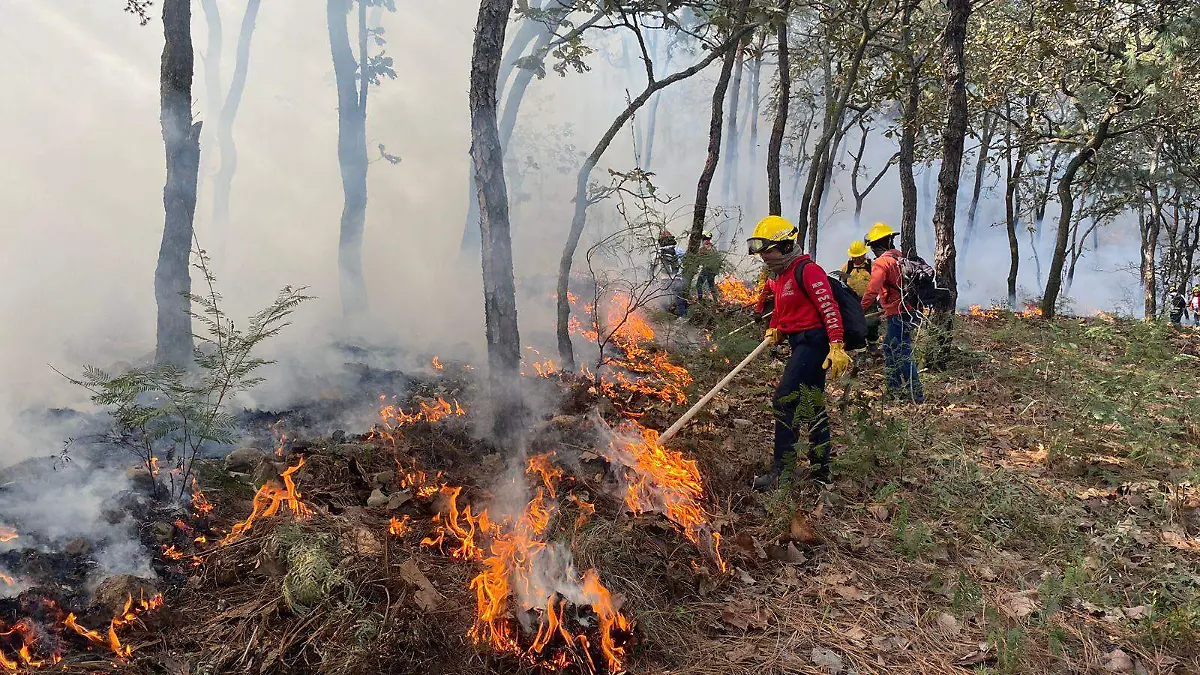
pixel 1038 514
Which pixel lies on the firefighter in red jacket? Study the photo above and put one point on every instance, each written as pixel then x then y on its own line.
pixel 806 315
pixel 887 286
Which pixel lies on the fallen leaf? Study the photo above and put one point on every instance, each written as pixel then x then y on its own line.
pixel 856 634
pixel 948 624
pixel 987 574
pixel 426 596
pixel 880 512
pixel 1118 661
pixel 788 554
pixel 1137 613
pixel 830 661
pixel 745 577
pixel 1181 542
pixel 1020 604
pixel 744 614
pixel 850 593
pixel 981 655
pixel 801 530
pixel 1094 493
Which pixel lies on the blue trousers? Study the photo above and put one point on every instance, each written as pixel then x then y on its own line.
pixel 800 400
pixel 707 279
pixel 899 366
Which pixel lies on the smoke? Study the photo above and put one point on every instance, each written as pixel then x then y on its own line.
pixel 81 194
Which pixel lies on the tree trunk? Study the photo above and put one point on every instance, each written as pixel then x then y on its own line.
pixel 1012 184
pixel 729 188
pixel 1039 212
pixel 774 195
pixel 715 126
pixel 1065 198
pixel 352 156
pixel 566 350
pixel 212 58
pixel 755 80
pixel 988 130
pixel 487 154
pixel 652 124
pixel 810 201
pixel 223 183
pixel 181 139
pixel 954 73
pixel 1150 255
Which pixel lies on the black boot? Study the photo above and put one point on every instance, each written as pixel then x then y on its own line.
pixel 766 482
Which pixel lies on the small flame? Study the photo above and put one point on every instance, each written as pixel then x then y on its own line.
pixel 24 658
pixel 394 418
pixel 7 533
pixel 541 464
pixel 399 527
pixel 172 553
pixel 1032 311
pixel 978 310
pixel 437 364
pixel 267 501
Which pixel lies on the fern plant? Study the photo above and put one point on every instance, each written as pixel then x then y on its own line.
pixel 167 411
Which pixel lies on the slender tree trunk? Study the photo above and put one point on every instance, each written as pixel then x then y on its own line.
pixel 212 58
pixel 1012 185
pixel 988 130
pixel 954 73
pixel 775 198
pixel 181 139
pixel 909 123
pixel 1067 200
pixel 487 154
pixel 223 183
pixel 810 201
pixel 729 186
pixel 715 126
pixel 352 156
pixel 755 80
pixel 1150 255
pixel 566 350
pixel 1039 213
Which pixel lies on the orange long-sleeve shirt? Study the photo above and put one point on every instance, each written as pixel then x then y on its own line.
pixel 885 284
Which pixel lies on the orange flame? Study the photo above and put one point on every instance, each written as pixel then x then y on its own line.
pixel 437 364
pixel 399 527
pixel 24 658
pixel 737 292
pixel 541 464
pixel 172 553
pixel 126 616
pixel 267 501
pixel 978 310
pixel 393 418
pixel 664 481
pixel 7 533
pixel 1032 311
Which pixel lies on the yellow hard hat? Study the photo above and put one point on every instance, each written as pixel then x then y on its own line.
pixel 880 231
pixel 772 231
pixel 857 249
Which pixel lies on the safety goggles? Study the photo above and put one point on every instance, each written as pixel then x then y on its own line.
pixel 758 245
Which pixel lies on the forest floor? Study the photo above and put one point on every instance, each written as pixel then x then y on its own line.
pixel 1039 513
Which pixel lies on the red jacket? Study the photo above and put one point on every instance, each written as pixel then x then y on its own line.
pixel 797 310
pixel 885 284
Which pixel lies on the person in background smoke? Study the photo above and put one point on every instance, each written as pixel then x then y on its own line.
pixel 1194 305
pixel 709 259
pixel 668 256
pixel 1177 304
pixel 806 315
pixel 856 273
pixel 900 368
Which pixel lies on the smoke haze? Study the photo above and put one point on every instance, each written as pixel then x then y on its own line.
pixel 81 190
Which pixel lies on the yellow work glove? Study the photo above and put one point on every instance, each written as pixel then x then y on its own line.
pixel 838 361
pixel 774 336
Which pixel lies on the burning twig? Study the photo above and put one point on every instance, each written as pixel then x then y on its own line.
pixel 7 533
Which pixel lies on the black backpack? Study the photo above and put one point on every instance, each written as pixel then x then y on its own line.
pixel 854 321
pixel 918 284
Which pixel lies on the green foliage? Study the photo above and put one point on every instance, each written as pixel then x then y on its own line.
pixel 168 411
pixel 312 574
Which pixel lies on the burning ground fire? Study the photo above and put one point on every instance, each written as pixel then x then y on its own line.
pixel 526 578
pixel 267 501
pixel 22 642
pixel 737 292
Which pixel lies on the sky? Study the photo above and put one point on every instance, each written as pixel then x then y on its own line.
pixel 81 187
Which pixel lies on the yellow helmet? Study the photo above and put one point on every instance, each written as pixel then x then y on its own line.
pixel 857 249
pixel 772 231
pixel 880 231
